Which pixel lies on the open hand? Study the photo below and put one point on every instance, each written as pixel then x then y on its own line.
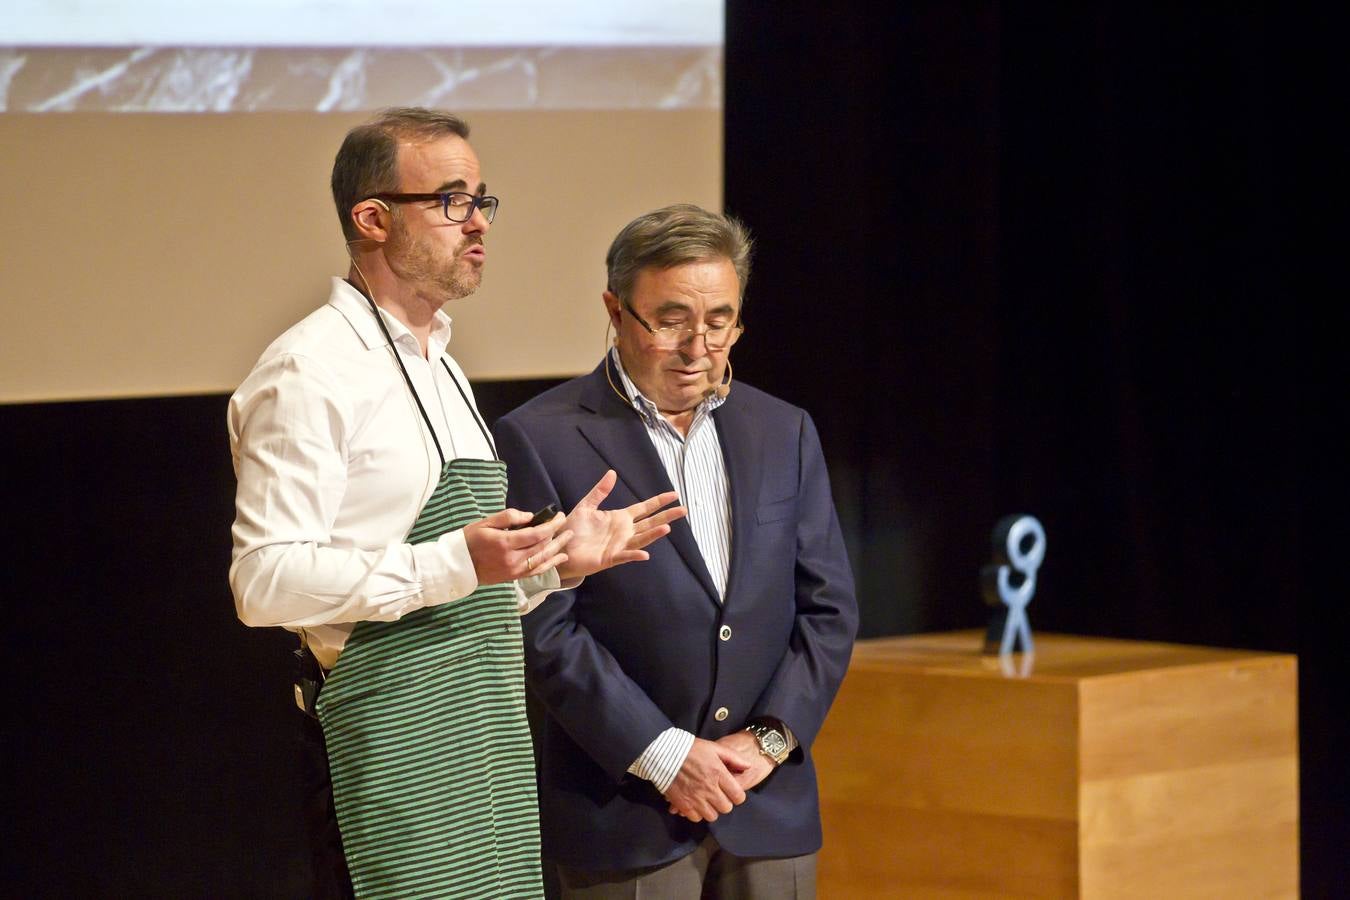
pixel 605 538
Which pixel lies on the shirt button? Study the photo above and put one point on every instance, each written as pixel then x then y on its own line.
pixel 721 714
pixel 725 633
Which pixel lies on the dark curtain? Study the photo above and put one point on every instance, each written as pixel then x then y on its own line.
pixel 1031 258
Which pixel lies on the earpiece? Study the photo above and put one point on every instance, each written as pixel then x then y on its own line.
pixel 384 206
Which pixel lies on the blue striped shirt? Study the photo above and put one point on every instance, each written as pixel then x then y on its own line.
pixel 699 473
pixel 697 470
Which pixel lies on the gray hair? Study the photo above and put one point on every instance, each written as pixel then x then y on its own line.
pixel 675 235
pixel 367 161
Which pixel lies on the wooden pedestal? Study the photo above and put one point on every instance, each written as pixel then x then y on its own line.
pixel 1110 769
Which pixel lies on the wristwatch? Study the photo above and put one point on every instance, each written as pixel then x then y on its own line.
pixel 771 741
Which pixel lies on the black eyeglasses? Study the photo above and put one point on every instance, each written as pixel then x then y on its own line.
pixel 673 337
pixel 458 205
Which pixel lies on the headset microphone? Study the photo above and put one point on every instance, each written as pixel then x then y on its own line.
pixel 725 387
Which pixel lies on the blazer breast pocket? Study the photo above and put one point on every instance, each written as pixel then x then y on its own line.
pixel 775 510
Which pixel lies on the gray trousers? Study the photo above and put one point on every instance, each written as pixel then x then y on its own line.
pixel 709 873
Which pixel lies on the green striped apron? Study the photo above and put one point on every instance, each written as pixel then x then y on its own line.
pixel 424 718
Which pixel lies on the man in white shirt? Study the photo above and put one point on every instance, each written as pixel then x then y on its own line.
pixel 370 519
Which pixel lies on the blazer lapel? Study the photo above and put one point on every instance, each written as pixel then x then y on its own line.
pixel 742 449
pixel 618 435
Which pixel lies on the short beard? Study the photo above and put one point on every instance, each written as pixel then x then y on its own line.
pixel 416 261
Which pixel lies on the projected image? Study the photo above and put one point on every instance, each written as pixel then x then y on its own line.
pixel 338 55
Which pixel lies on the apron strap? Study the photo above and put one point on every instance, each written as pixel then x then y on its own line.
pixel 492 448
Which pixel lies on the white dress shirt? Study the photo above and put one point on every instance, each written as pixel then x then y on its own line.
pixel 334 464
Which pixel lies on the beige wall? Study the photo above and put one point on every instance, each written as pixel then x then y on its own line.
pixel 153 254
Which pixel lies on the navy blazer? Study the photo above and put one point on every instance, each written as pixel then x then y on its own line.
pixel 635 649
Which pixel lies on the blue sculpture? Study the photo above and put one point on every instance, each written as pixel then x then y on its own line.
pixel 1010 582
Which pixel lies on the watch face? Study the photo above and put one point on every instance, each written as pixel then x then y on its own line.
pixel 773 742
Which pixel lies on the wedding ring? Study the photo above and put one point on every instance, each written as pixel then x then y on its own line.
pixel 529 562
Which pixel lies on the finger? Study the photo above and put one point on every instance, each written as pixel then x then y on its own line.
pixel 644 508
pixel 664 517
pixel 643 538
pixel 526 538
pixel 736 766
pixel 562 535
pixel 597 494
pixel 506 518
pixel 727 782
pixel 627 556
pixel 551 562
pixel 535 559
pixel 683 812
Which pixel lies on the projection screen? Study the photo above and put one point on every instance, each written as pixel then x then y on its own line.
pixel 166 171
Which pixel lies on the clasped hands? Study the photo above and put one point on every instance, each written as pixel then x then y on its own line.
pixel 585 541
pixel 716 775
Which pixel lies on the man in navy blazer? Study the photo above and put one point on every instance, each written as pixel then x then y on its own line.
pixel 680 697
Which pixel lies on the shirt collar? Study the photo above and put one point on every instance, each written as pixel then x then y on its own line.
pixel 646 408
pixel 356 309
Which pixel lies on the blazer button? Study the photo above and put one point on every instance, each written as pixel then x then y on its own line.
pixel 721 714
pixel 725 633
